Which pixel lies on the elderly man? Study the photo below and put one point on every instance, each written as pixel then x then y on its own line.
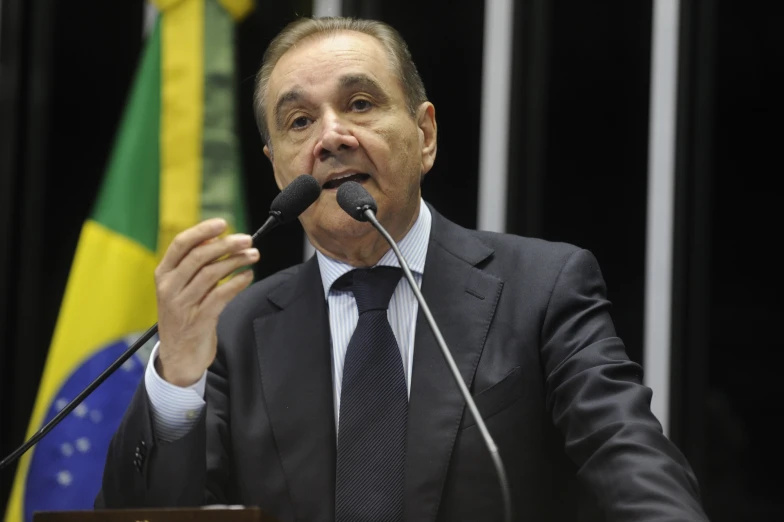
pixel 320 393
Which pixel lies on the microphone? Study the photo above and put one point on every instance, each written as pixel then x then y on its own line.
pixel 356 201
pixel 290 203
pixel 287 206
pixel 359 204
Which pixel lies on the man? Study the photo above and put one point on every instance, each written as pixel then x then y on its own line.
pixel 285 402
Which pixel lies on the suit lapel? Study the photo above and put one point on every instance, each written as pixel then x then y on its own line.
pixel 462 299
pixel 294 354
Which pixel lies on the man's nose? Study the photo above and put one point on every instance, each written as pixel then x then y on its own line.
pixel 336 137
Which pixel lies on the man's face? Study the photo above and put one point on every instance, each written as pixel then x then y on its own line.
pixel 336 110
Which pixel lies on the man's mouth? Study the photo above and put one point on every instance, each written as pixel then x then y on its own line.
pixel 335 183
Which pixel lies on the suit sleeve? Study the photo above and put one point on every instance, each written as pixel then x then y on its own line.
pixel 597 400
pixel 143 471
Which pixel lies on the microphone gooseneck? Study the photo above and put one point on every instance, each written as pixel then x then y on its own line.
pixel 357 202
pixel 290 203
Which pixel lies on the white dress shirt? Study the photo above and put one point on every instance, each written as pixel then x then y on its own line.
pixel 175 410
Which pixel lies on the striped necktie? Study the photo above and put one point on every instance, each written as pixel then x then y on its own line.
pixel 373 407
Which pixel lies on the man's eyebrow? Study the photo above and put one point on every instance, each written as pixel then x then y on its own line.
pixel 292 96
pixel 363 82
pixel 349 81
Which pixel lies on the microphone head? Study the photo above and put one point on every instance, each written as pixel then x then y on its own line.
pixel 354 199
pixel 295 198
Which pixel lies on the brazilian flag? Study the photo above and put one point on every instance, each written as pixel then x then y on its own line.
pixel 175 162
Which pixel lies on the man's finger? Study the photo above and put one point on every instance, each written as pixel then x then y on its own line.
pixel 204 256
pixel 208 276
pixel 219 297
pixel 186 240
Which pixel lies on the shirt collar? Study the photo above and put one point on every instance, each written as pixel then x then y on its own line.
pixel 413 247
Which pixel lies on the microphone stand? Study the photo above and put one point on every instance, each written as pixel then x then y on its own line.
pixel 499 466
pixel 272 222
pixel 21 450
pixel 290 203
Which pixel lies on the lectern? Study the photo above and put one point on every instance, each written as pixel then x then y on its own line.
pixel 157 515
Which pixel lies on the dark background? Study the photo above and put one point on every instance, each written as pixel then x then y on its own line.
pixel 578 173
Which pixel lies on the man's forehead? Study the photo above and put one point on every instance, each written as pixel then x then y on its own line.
pixel 328 56
pixel 337 40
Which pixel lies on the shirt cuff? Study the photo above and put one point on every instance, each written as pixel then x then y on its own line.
pixel 175 410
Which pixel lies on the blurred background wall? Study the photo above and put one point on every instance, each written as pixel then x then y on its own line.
pixel 579 123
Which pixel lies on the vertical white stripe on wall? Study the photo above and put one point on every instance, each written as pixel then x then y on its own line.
pixel 494 128
pixel 148 22
pixel 327 8
pixel 308 249
pixel 661 194
pixel 321 8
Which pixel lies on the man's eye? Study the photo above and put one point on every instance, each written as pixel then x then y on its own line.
pixel 361 105
pixel 300 123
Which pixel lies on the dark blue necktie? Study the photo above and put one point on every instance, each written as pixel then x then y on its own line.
pixel 373 407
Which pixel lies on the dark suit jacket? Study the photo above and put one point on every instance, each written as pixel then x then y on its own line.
pixel 529 326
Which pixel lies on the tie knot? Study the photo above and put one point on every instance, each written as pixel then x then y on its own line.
pixel 372 287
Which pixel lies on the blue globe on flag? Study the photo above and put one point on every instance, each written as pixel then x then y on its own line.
pixel 67 465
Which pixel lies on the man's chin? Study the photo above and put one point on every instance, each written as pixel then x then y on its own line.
pixel 340 228
pixel 344 227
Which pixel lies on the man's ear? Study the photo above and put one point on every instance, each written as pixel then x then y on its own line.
pixel 268 153
pixel 428 134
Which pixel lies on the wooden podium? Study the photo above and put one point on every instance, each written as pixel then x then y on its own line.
pixel 206 514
